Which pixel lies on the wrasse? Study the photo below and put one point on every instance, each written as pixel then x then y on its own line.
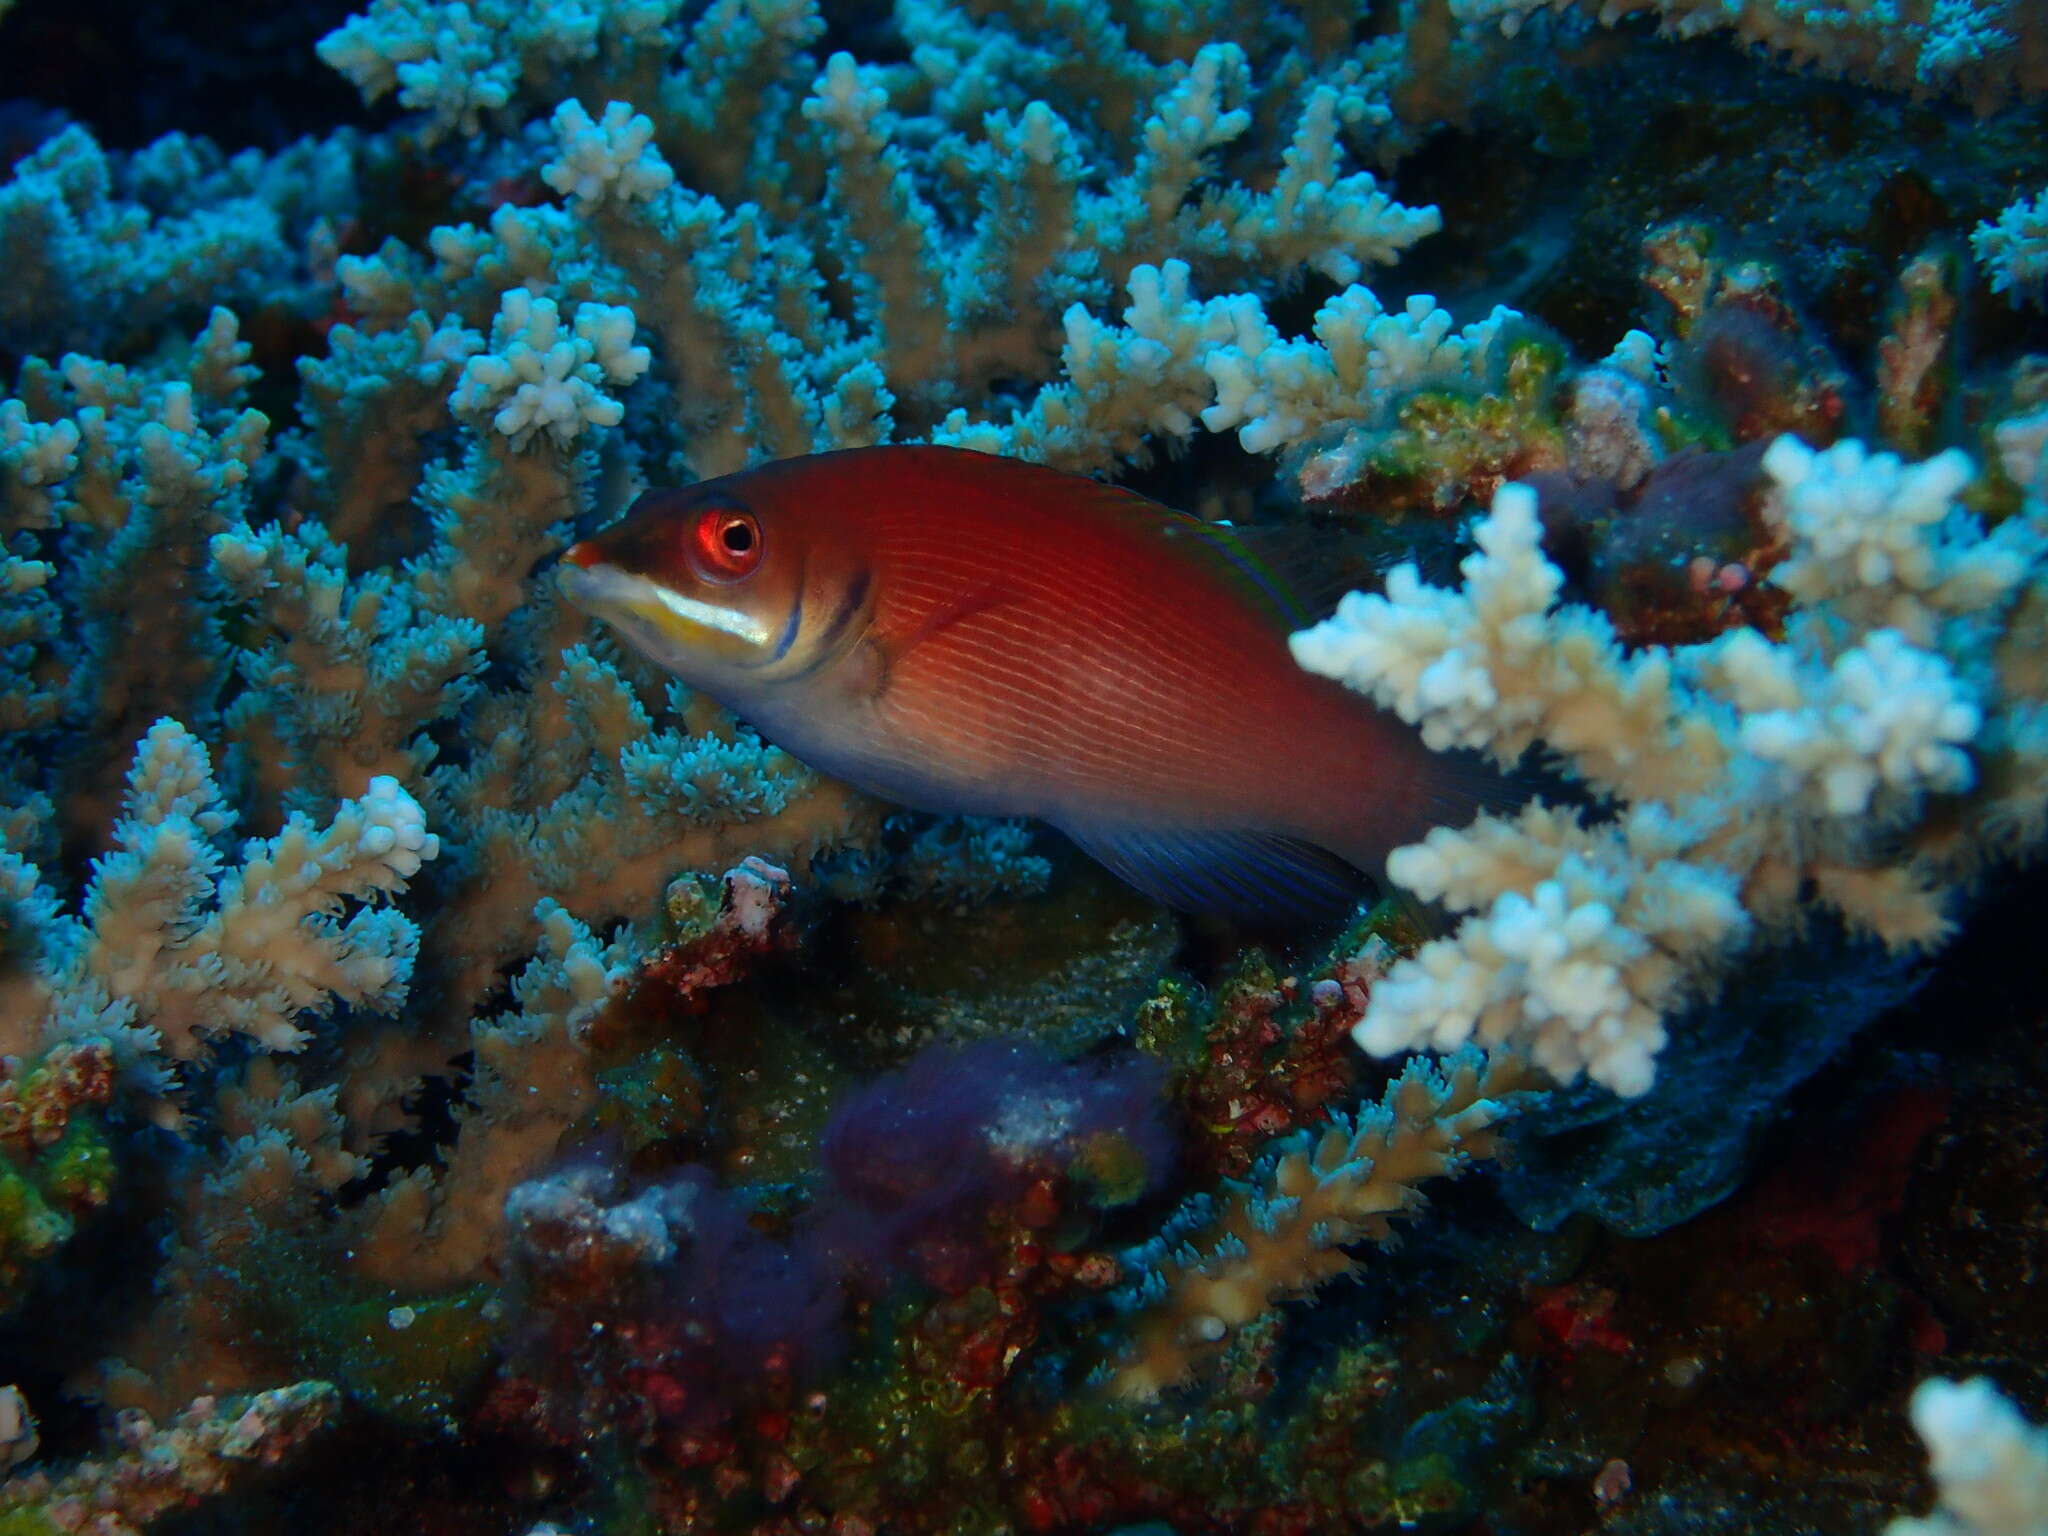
pixel 965 633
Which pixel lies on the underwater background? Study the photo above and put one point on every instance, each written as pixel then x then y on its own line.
pixel 456 1079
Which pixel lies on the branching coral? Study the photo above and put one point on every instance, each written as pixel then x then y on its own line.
pixel 161 1469
pixel 1065 219
pixel 534 378
pixel 1983 49
pixel 1990 1465
pixel 2015 247
pixel 1751 770
pixel 1222 1264
pixel 174 945
pixel 99 254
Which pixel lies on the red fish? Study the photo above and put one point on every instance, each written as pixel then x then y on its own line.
pixel 965 633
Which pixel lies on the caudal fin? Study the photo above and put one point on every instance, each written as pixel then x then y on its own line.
pixel 1442 789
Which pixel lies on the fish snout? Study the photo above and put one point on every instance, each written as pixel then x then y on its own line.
pixel 587 579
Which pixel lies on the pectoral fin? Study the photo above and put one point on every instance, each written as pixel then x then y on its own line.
pixel 975 600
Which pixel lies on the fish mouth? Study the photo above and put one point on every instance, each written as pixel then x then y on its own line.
pixel 597 589
pixel 661 621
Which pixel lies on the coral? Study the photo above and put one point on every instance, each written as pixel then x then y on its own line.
pixel 613 157
pixel 264 1248
pixel 1990 1465
pixel 427 1230
pixel 160 1469
pixel 408 994
pixel 533 378
pixel 1983 50
pixel 1917 355
pixel 1749 768
pixel 98 255
pixel 708 277
pixel 1222 363
pixel 462 64
pixel 175 947
pixel 2015 247
pixel 1221 1264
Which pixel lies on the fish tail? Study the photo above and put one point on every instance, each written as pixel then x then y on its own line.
pixel 1462 785
pixel 1439 789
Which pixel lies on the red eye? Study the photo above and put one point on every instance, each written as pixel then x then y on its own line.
pixel 726 544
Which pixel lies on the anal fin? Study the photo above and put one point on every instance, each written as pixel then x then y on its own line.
pixel 1253 876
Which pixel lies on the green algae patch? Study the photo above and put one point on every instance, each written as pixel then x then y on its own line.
pixel 413 1361
pixel 29 1232
pixel 1112 1169
pixel 416 1360
pixel 659 1096
pixel 57 1162
pixel 1065 967
pixel 79 1169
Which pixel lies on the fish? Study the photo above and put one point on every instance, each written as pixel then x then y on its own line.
pixel 963 633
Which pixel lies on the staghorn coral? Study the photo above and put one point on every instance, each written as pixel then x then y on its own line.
pixel 2015 248
pixel 267 1224
pixel 101 252
pixel 1223 1263
pixel 1982 50
pixel 809 379
pixel 174 947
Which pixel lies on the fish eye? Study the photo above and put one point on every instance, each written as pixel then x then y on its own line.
pixel 726 544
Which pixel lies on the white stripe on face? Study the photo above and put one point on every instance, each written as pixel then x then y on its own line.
pixel 727 621
pixel 606 590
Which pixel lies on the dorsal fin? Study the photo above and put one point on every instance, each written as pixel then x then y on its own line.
pixel 1286 572
pixel 1242 554
pixel 1291 573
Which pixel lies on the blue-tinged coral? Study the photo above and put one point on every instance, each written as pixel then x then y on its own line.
pixel 1990 1464
pixel 1983 51
pixel 176 946
pixel 1838 738
pixel 105 254
pixel 1045 240
pixel 2014 248
pixel 1224 1261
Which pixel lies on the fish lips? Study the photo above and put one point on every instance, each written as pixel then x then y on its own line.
pixel 681 633
pixel 600 590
